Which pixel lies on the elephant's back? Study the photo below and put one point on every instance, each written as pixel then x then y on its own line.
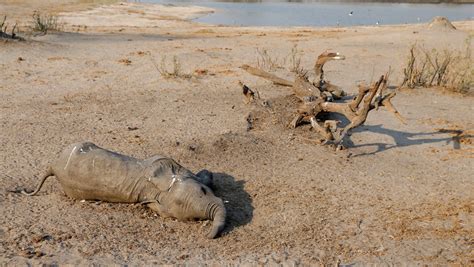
pixel 87 171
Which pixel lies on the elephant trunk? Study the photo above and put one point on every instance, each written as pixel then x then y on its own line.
pixel 216 212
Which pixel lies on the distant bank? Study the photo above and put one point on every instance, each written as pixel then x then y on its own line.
pixel 324 1
pixel 393 1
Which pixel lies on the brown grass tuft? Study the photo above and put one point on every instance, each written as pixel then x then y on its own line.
pixel 44 23
pixel 449 69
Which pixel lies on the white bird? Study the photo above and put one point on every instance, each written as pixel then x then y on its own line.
pixel 351 13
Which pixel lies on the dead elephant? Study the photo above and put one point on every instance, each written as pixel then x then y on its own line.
pixel 86 171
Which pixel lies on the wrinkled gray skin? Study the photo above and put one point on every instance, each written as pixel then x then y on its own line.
pixel 89 172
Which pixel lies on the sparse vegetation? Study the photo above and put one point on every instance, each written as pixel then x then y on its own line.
pixel 44 23
pixel 295 61
pixel 4 30
pixel 449 69
pixel 174 73
pixel 265 61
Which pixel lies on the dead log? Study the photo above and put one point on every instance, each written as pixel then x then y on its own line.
pixel 301 86
pixel 321 60
pixel 391 108
pixel 305 90
pixel 316 102
pixel 268 76
pixel 358 115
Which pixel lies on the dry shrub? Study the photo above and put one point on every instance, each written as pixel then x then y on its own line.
pixel 265 61
pixel 449 69
pixel 269 62
pixel 45 22
pixel 295 61
pixel 165 72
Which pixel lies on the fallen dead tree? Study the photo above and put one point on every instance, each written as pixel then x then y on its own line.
pixel 314 104
pixel 4 31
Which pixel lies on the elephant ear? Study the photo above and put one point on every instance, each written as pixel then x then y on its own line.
pixel 165 172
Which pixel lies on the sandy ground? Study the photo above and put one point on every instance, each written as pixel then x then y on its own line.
pixel 400 194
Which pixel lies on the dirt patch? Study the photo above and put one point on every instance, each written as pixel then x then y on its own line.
pixel 390 198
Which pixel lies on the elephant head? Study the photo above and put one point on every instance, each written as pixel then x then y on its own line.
pixel 188 199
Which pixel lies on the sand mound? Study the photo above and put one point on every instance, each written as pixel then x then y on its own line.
pixel 441 23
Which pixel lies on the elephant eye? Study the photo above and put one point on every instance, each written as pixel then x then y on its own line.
pixel 203 190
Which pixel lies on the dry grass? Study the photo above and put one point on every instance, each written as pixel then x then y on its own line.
pixel 449 69
pixel 175 72
pixel 44 23
pixel 295 61
pixel 266 61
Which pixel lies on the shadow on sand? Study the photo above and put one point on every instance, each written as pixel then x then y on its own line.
pixel 238 203
pixel 404 139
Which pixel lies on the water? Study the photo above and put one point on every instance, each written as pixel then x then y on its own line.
pixel 315 13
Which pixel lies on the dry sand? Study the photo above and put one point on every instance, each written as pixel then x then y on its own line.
pixel 400 194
